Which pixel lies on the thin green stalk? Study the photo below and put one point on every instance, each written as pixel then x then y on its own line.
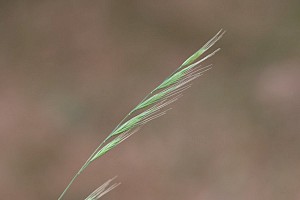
pixel 80 170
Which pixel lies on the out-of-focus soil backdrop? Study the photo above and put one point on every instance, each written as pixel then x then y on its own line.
pixel 70 70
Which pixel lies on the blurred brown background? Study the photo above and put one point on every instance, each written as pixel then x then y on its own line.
pixel 70 70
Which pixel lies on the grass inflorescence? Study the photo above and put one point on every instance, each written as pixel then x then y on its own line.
pixel 154 105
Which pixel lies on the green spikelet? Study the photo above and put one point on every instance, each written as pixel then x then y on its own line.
pixel 151 107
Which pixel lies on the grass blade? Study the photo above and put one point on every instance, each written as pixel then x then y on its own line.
pixel 151 107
